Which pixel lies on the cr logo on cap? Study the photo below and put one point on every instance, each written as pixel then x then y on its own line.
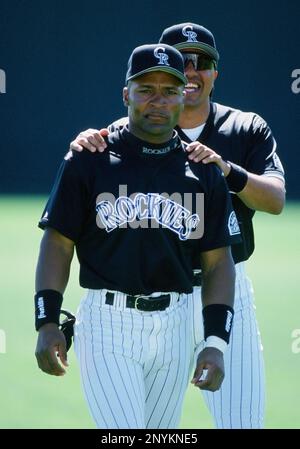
pixel 191 35
pixel 163 57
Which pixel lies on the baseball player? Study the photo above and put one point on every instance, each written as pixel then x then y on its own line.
pixel 133 213
pixel 243 146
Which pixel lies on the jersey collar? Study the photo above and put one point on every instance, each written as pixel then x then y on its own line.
pixel 149 150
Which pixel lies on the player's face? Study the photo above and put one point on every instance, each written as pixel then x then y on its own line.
pixel 155 101
pixel 200 82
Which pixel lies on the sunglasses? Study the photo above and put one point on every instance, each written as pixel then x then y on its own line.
pixel 199 61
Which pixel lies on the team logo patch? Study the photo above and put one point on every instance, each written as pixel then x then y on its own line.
pixel 160 54
pixel 189 33
pixel 233 224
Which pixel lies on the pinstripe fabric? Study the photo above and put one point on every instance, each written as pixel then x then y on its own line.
pixel 240 402
pixel 133 364
pixel 166 384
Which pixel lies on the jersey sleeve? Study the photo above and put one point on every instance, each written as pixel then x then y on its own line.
pixel 262 157
pixel 65 210
pixel 118 124
pixel 221 226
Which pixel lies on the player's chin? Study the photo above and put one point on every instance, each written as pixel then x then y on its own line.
pixel 192 96
pixel 158 128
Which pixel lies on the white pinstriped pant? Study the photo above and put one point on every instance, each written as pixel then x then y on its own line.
pixel 134 365
pixel 240 402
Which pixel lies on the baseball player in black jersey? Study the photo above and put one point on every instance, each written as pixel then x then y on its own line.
pixel 243 146
pixel 134 215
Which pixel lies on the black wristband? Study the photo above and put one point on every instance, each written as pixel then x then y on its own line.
pixel 47 307
pixel 217 321
pixel 237 178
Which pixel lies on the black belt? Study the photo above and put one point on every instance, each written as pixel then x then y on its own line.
pixel 197 279
pixel 147 304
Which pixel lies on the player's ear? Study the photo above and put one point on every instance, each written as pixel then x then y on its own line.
pixel 125 96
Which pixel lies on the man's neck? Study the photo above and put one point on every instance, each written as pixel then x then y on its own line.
pixel 192 117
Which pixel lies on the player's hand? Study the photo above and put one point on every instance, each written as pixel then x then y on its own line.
pixel 211 360
pixel 51 345
pixel 201 153
pixel 91 139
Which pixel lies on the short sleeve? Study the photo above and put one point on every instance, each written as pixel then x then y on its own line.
pixel 65 210
pixel 262 157
pixel 221 226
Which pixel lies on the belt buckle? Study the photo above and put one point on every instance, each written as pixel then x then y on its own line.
pixel 136 302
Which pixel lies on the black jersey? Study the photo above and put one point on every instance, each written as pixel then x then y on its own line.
pixel 122 209
pixel 245 139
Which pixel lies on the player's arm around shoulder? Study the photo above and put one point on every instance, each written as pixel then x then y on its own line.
pixel 94 139
pixel 257 191
pixel 90 139
pixel 52 274
pixel 263 193
pixel 198 152
pixel 218 280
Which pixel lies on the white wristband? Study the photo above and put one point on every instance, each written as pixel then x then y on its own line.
pixel 216 342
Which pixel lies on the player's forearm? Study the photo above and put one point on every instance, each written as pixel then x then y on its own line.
pixel 218 282
pixel 53 267
pixel 263 193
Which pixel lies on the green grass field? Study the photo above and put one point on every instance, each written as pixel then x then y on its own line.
pixel 31 399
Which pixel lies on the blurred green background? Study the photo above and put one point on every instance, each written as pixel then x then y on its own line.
pixel 31 399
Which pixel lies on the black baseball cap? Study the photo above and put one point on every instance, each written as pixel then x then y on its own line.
pixel 190 36
pixel 155 57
